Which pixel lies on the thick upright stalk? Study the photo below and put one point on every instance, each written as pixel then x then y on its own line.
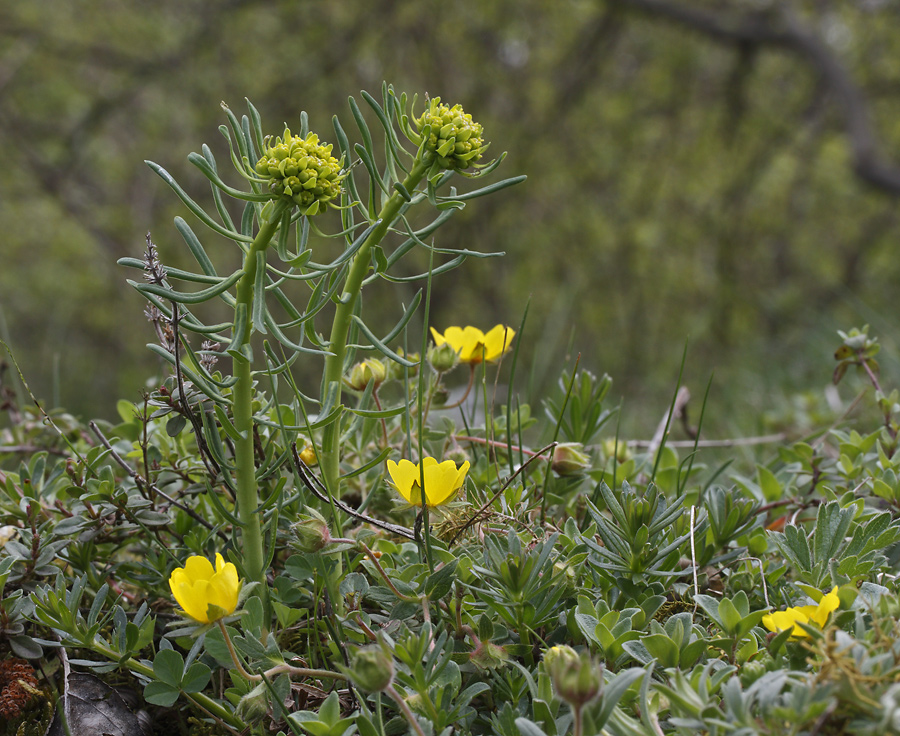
pixel 242 396
pixel 334 363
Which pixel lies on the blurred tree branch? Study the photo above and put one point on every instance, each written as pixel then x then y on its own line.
pixel 778 27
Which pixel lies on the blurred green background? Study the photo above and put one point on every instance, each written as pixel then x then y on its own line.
pixel 691 173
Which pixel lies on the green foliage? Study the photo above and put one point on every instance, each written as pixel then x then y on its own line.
pixel 358 612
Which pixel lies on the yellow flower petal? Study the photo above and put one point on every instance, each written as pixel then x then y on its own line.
pixel 497 341
pixel 405 475
pixel 829 603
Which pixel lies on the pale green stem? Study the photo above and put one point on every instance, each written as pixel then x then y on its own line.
pixel 334 363
pixel 242 396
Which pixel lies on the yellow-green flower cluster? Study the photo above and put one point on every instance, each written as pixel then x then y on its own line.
pixel 302 169
pixel 455 137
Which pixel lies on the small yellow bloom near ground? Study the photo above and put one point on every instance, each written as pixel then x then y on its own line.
pixel 196 587
pixel 442 480
pixel 473 345
pixel 810 615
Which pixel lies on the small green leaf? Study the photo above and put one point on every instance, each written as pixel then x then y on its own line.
pixel 175 425
pixel 196 678
pixel 169 667
pixel 768 484
pixel 440 583
pixel 159 693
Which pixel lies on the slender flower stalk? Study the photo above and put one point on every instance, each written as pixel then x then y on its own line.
pixel 334 363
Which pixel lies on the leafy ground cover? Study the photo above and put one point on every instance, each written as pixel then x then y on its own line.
pixel 417 549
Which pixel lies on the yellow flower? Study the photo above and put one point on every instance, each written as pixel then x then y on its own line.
pixel 196 587
pixel 309 456
pixel 810 615
pixel 473 345
pixel 442 480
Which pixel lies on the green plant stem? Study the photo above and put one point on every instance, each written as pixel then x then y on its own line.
pixel 330 459
pixel 242 396
pixel 407 711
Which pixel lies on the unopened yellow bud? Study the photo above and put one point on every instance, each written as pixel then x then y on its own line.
pixel 568 459
pixel 309 456
pixel 369 371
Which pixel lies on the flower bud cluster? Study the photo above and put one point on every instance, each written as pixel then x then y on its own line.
pixel 303 170
pixel 455 137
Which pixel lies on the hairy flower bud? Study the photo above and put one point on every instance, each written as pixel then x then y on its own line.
pixel 303 170
pixel 310 532
pixel 371 668
pixel 443 357
pixel 576 678
pixel 397 372
pixel 254 705
pixel 568 459
pixel 455 138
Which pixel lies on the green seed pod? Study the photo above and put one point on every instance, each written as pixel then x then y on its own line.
pixel 254 706
pixel 489 656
